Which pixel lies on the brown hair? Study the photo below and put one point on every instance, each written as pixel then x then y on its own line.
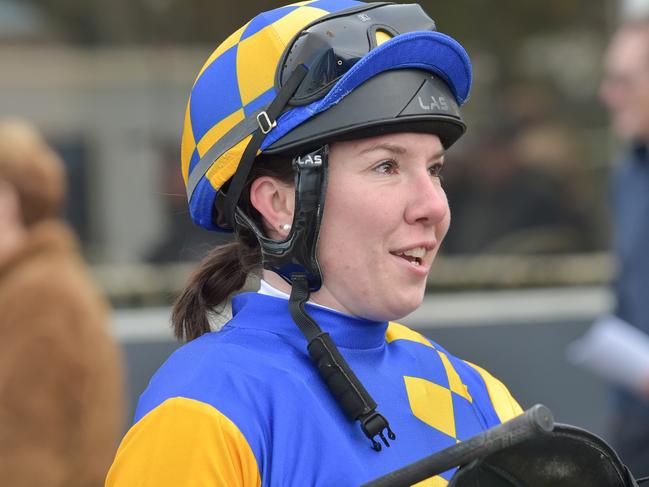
pixel 225 268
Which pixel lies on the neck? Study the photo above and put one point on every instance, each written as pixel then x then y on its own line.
pixel 276 281
pixel 321 297
pixel 346 331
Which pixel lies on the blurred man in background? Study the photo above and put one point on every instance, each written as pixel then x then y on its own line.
pixel 60 375
pixel 625 91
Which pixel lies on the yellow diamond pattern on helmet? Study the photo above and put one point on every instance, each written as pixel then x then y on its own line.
pixel 218 131
pixel 423 393
pixel 224 46
pixel 258 55
pixel 286 27
pixel 187 144
pixel 215 94
pixel 257 58
pixel 238 77
pixel 225 166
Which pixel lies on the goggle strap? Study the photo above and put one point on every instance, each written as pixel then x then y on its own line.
pixel 266 120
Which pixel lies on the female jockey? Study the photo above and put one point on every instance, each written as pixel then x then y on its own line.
pixel 316 133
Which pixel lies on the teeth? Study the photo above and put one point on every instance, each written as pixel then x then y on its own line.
pixel 418 252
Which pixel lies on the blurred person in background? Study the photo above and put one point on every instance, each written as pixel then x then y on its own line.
pixel 506 199
pixel 60 373
pixel 625 91
pixel 344 205
pixel 520 185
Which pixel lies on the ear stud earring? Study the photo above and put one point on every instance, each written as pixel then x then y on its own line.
pixel 285 227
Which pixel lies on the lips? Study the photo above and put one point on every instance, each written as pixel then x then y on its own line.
pixel 415 254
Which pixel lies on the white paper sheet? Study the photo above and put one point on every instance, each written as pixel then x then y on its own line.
pixel 616 351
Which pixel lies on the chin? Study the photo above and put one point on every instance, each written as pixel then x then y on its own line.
pixel 403 305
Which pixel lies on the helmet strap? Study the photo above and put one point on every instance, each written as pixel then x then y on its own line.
pixel 266 120
pixel 295 259
pixel 344 386
pixel 297 252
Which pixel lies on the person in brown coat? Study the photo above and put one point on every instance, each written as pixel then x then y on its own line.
pixel 61 398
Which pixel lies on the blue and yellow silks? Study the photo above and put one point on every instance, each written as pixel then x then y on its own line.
pixel 245 406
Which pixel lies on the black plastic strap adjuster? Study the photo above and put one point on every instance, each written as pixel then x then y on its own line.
pixel 372 425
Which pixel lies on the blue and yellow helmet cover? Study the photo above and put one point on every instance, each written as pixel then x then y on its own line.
pixel 239 80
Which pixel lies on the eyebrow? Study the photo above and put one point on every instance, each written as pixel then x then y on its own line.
pixel 397 149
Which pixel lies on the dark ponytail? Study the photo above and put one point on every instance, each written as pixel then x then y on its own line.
pixel 225 268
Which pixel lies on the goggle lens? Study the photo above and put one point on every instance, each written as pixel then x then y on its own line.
pixel 333 44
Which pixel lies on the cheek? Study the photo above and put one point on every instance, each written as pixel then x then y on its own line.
pixel 351 223
pixel 445 219
pixel 334 235
pixel 347 209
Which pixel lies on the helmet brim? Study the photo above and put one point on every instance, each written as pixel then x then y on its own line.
pixel 432 52
pixel 404 100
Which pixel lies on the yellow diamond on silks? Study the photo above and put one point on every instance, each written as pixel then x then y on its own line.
pixel 422 395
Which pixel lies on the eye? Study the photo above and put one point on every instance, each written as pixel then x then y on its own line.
pixel 436 170
pixel 387 167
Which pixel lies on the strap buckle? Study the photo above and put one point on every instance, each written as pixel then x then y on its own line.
pixel 263 120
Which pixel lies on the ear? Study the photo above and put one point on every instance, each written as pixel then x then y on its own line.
pixel 275 201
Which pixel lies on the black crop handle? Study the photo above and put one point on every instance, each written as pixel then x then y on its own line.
pixel 536 420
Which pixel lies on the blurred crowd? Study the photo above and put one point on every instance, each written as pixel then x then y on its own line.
pixel 521 188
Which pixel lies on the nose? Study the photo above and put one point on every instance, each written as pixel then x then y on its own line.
pixel 427 203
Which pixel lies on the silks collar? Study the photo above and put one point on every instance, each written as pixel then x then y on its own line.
pixel 271 314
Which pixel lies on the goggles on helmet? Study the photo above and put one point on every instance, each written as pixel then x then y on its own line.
pixel 330 46
pixel 335 55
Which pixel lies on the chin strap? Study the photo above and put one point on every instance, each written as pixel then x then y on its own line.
pixel 343 384
pixel 294 259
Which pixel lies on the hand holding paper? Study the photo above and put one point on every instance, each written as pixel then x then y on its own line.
pixel 616 351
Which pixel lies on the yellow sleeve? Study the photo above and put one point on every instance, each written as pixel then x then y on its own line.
pixel 181 443
pixel 505 405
